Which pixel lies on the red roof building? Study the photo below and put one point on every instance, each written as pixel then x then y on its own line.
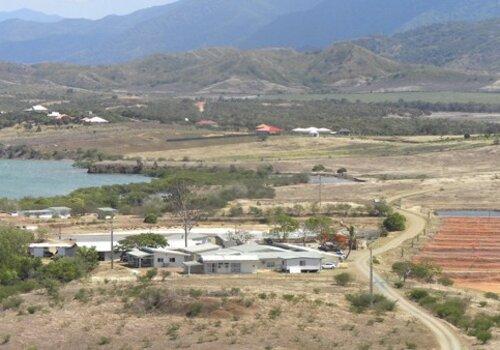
pixel 268 129
pixel 207 123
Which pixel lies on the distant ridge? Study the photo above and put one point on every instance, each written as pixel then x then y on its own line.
pixel 29 15
pixel 188 25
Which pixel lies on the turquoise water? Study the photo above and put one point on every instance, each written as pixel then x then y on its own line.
pixel 37 178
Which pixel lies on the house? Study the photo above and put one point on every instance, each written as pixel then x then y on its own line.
pixel 51 249
pixel 312 131
pixel 230 264
pixel 94 120
pixel 206 123
pixel 163 257
pixel 106 213
pixel 38 108
pixel 264 129
pixel 249 258
pixel 46 214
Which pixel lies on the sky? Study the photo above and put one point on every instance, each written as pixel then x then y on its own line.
pixel 81 8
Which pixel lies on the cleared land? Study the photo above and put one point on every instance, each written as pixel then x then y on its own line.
pixel 444 97
pixel 468 250
pixel 245 312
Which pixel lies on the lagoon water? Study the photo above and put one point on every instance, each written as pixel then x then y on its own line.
pixel 37 178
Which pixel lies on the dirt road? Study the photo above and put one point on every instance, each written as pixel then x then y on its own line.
pixel 446 337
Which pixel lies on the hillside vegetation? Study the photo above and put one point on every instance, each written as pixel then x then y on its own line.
pixel 459 45
pixel 341 67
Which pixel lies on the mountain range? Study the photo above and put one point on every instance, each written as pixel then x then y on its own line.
pixel 216 71
pixel 196 24
pixel 29 15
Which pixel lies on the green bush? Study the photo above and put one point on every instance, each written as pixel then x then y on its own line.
pixel 63 269
pixel 445 281
pixel 274 313
pixel 451 310
pixel 83 295
pixel 362 301
pixel 491 295
pixel 417 294
pixel 12 302
pixel 195 293
pixel 395 222
pixel 194 309
pixel 151 218
pixel 343 279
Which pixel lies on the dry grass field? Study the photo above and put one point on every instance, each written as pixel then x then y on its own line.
pixel 263 311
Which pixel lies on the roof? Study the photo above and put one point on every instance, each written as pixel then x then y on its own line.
pixel 52 245
pixel 200 248
pixel 241 257
pixel 100 246
pixel 139 253
pixel 107 209
pixel 59 208
pixel 164 250
pixel 206 122
pixel 94 120
pixel 192 263
pixel 268 128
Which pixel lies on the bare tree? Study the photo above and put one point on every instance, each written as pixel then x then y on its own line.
pixel 183 201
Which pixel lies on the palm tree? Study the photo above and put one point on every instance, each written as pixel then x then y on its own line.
pixel 352 239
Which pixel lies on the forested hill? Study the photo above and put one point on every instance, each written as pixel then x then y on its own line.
pixel 458 45
pixel 341 67
pixel 194 24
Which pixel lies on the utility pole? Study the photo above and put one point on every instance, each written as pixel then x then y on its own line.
pixel 371 275
pixel 112 245
pixel 320 189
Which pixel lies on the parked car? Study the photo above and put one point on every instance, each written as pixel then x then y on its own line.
pixel 329 266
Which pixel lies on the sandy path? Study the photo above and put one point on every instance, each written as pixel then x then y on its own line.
pixel 446 336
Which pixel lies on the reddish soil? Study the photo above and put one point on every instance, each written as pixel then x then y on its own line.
pixel 468 250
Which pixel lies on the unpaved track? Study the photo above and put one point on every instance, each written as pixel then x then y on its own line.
pixel 445 335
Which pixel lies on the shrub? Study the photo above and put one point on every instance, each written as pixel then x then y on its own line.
pixel 32 309
pixel 195 293
pixel 275 312
pixel 318 168
pixel 151 273
pixel 150 218
pixel 362 301
pixel 399 284
pixel 104 340
pixel 262 296
pixel 395 222
pixel 445 281
pixel 417 294
pixel 83 295
pixel 63 269
pixel 491 295
pixel 194 309
pixel 483 336
pixel 288 297
pixel 4 339
pixel 12 302
pixel 343 279
pixel 451 310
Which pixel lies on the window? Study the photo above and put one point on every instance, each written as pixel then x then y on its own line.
pixel 270 264
pixel 302 263
pixel 160 260
pixel 236 268
pixel 172 260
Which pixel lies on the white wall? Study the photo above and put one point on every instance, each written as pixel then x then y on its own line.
pixel 310 264
pixel 227 267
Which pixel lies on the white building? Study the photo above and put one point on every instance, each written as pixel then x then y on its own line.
pixel 163 257
pixel 95 120
pixel 230 264
pixel 49 249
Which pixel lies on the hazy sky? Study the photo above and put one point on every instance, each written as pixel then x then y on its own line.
pixel 81 8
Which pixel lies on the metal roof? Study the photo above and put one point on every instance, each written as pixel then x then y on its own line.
pixel 228 258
